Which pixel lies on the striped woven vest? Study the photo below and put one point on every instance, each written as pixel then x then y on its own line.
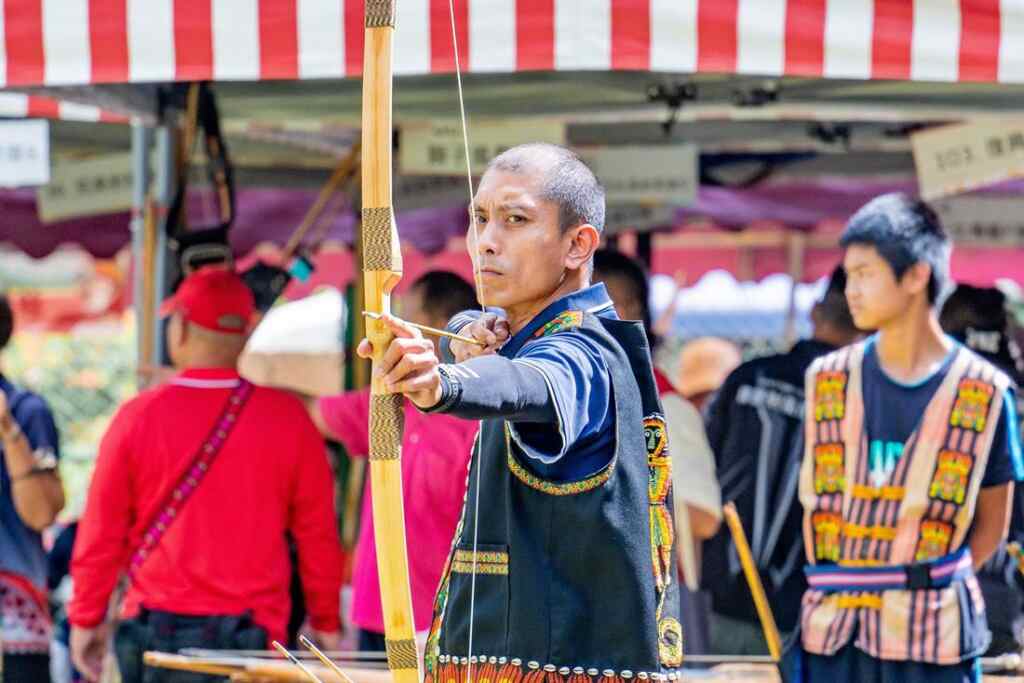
pixel 922 513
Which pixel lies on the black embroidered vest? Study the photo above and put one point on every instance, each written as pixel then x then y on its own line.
pixel 573 580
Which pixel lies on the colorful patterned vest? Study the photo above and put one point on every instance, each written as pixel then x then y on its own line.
pixel 921 514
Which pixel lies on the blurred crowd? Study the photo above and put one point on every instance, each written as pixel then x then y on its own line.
pixel 123 579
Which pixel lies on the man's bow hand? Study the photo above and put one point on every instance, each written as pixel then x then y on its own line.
pixel 409 365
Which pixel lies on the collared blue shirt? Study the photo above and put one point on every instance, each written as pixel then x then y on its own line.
pixel 21 548
pixel 582 442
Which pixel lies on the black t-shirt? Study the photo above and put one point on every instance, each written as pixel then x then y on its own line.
pixel 893 410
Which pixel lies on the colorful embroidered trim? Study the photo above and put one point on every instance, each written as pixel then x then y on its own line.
pixel 659 464
pixel 659 484
pixel 190 479
pixel 844 601
pixel 862 563
pixel 655 436
pixel 670 642
pixel 440 603
pixel 873 493
pixel 933 540
pixel 877 533
pixel 952 473
pixel 828 528
pixel 491 569
pixel 484 669
pixel 829 470
pixel 482 556
pixel 549 487
pixel 829 395
pixel 561 322
pixel 1013 549
pixel 487 562
pixel 971 408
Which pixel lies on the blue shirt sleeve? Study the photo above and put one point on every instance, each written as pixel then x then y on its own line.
pixel 1005 462
pixel 36 421
pixel 579 383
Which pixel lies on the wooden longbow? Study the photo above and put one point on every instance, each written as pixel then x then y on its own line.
pixel 382 270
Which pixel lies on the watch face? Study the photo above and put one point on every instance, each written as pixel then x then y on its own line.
pixel 46 459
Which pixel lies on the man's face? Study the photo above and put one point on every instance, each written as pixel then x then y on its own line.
pixel 520 256
pixel 874 294
pixel 623 295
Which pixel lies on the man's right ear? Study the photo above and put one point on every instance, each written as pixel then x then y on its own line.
pixel 179 329
pixel 916 278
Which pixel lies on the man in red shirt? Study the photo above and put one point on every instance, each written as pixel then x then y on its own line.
pixel 196 486
pixel 435 457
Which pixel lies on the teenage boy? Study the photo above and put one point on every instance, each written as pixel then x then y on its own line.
pixel 910 457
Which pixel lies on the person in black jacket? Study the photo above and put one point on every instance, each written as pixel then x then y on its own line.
pixel 754 425
pixel 976 317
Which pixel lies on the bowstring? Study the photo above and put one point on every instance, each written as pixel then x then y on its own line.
pixel 465 149
pixel 483 309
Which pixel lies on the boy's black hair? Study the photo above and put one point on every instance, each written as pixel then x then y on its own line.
pixel 980 308
pixel 904 231
pixel 833 307
pixel 609 263
pixel 977 317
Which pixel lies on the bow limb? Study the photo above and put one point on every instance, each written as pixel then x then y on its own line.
pixel 382 269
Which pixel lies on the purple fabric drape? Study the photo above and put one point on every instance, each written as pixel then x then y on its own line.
pixel 270 215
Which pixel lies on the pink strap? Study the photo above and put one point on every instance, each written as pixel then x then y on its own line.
pixel 189 481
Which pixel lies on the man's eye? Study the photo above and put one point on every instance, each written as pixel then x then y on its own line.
pixel 516 219
pixel 480 218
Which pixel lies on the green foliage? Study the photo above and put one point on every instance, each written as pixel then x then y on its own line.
pixel 84 377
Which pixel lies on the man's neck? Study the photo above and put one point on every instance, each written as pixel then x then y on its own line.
pixel 520 315
pixel 913 345
pixel 208 363
pixel 826 335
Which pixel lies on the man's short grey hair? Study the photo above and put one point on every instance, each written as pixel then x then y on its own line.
pixel 564 180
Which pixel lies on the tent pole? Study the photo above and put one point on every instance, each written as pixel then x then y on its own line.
pixel 795 244
pixel 142 138
pixel 166 174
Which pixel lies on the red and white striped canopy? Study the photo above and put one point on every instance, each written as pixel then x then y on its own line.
pixel 77 42
pixel 16 105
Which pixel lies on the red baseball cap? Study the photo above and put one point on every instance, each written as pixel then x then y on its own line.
pixel 213 298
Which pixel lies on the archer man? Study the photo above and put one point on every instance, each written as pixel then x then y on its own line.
pixel 563 561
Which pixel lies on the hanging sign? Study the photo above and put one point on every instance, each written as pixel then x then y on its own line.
pixel 429 192
pixel 436 147
pixel 663 174
pixel 983 221
pixel 89 187
pixel 639 217
pixel 24 153
pixel 961 157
